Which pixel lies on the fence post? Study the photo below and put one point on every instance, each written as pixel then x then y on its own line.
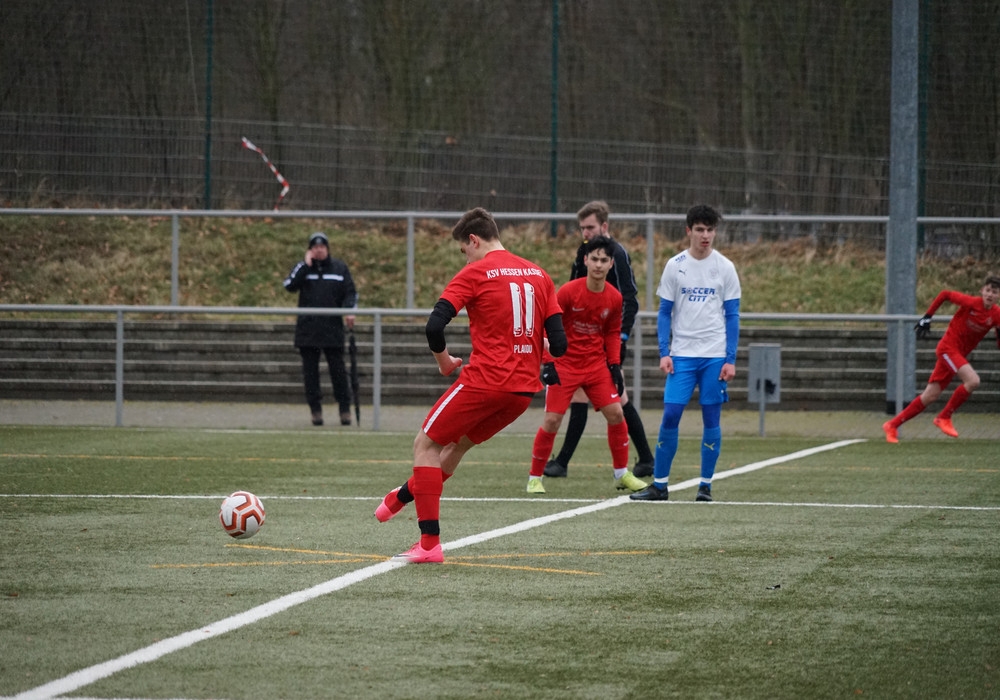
pixel 119 366
pixel 636 341
pixel 175 258
pixel 410 255
pixel 651 278
pixel 900 363
pixel 377 372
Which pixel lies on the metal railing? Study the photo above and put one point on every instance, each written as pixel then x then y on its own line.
pixel 378 316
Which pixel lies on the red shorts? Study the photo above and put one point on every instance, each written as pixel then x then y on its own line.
pixel 597 385
pixel 949 361
pixel 478 414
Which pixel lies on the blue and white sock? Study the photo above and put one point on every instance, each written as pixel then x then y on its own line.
pixel 666 449
pixel 711 442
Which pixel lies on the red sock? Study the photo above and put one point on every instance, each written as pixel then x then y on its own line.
pixel 618 442
pixel 540 451
pixel 392 502
pixel 426 485
pixel 912 409
pixel 956 400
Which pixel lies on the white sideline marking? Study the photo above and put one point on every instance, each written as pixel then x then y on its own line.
pixel 86 676
pixel 220 497
pixel 542 501
pixel 859 506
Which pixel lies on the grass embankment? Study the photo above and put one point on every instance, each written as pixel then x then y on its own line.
pixel 242 262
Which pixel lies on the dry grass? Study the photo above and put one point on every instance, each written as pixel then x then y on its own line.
pixel 242 262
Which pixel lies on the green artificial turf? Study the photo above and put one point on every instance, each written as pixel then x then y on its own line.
pixel 869 570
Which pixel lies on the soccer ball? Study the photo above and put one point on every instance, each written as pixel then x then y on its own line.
pixel 241 514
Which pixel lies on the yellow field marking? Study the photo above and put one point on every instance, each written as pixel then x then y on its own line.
pixel 229 564
pixel 356 558
pixel 585 553
pixel 544 570
pixel 265 548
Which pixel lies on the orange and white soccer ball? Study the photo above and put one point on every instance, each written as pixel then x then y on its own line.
pixel 241 514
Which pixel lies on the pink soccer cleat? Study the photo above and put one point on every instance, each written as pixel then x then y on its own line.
pixel 389 506
pixel 891 433
pixel 418 555
pixel 944 424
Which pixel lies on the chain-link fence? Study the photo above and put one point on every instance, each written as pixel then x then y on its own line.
pixel 754 107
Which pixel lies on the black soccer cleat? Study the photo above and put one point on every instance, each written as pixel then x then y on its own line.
pixel 554 469
pixel 704 494
pixel 651 493
pixel 643 469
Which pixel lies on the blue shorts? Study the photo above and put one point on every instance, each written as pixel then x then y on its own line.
pixel 696 371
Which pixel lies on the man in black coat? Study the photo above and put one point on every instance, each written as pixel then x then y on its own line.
pixel 323 283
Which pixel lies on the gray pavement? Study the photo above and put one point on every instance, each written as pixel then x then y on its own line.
pixel 736 420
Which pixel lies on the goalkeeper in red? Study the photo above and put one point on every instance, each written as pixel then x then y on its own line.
pixel 592 318
pixel 512 310
pixel 975 317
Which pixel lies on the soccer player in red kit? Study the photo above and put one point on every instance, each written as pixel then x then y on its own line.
pixel 970 324
pixel 592 318
pixel 512 309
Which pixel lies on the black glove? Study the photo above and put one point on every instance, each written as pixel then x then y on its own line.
pixel 617 378
pixel 923 327
pixel 623 350
pixel 549 374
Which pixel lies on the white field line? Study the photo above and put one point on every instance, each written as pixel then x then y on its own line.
pixel 89 675
pixel 537 501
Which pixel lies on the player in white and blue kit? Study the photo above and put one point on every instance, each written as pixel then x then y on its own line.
pixel 698 328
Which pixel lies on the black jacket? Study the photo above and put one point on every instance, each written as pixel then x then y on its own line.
pixel 324 285
pixel 621 277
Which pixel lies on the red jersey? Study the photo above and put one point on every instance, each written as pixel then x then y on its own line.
pixel 593 323
pixel 508 299
pixel 970 324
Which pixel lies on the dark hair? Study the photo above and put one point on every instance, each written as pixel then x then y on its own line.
pixel 992 280
pixel 703 214
pixel 599 243
pixel 476 222
pixel 598 208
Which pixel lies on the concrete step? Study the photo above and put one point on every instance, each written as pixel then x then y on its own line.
pixel 256 361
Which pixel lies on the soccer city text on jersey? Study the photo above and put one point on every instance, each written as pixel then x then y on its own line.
pixel 698 293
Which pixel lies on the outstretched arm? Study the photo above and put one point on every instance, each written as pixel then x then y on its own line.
pixel 440 317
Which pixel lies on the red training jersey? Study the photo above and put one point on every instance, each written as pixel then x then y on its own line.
pixel 593 323
pixel 508 299
pixel 970 323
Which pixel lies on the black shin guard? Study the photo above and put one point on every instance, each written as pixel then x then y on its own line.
pixel 574 431
pixel 429 527
pixel 637 433
pixel 404 494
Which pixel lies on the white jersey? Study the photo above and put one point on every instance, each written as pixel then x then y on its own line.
pixel 698 288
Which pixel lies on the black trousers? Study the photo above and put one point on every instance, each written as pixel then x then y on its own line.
pixel 338 375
